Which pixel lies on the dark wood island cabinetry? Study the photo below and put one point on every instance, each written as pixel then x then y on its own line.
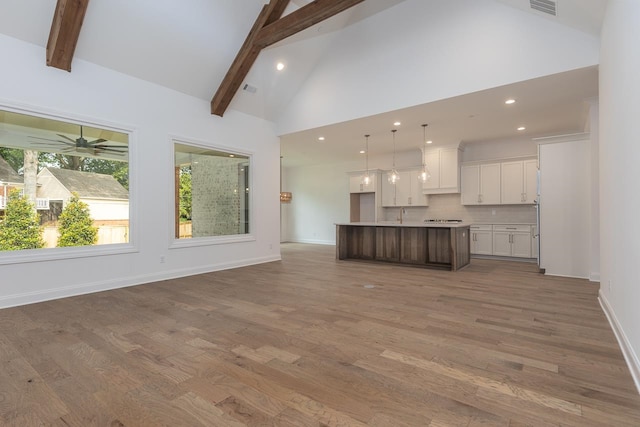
pixel 441 246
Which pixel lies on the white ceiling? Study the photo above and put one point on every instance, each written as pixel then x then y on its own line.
pixel 552 105
pixel 188 46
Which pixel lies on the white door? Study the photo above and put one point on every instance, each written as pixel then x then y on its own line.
pixel 502 243
pixel 512 182
pixel 388 198
pixel 521 245
pixel 483 242
pixel 403 189
pixel 530 185
pixel 470 177
pixel 490 184
pixel 432 159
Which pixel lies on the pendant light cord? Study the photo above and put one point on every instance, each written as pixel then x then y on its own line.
pixel 393 132
pixel 366 147
pixel 424 143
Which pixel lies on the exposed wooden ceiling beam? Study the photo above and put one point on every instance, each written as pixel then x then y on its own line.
pixel 65 30
pixel 245 58
pixel 267 30
pixel 301 19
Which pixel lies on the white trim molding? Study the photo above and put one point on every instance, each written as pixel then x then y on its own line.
pixel 627 350
pixel 69 291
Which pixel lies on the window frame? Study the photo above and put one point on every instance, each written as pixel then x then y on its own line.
pixel 175 242
pixel 65 253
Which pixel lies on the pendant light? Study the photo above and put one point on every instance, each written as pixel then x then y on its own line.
pixel 366 178
pixel 393 176
pixel 424 174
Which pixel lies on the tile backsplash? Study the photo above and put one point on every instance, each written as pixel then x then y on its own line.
pixel 447 206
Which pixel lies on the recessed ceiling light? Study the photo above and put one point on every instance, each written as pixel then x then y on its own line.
pixel 362 151
pixel 510 101
pixel 321 138
pixel 231 155
pixel 429 142
pixel 397 123
pixel 521 128
pixel 280 66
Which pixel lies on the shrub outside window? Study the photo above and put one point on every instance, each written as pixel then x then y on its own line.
pixel 51 170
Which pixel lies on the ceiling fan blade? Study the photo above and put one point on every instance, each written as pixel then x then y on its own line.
pixel 66 137
pixel 110 150
pixel 119 147
pixel 97 141
pixel 50 144
pixel 45 139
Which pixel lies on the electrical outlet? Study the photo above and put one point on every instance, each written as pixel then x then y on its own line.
pixel 493 211
pixel 270 246
pixel 609 283
pixel 162 259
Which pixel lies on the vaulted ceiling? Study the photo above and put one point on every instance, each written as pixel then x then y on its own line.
pixel 189 45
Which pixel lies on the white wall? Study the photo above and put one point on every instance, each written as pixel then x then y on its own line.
pixel 108 209
pixel 321 196
pixel 95 94
pixel 421 51
pixel 490 150
pixel 620 174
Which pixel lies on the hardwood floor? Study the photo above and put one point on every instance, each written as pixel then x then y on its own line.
pixel 311 341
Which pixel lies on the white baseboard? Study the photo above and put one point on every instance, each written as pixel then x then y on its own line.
pixel 313 241
pixel 627 350
pixel 70 291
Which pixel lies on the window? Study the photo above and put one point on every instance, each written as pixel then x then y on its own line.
pixel 67 184
pixel 212 196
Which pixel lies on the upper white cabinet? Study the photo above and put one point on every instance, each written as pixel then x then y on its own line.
pixel 356 185
pixel 481 184
pixel 519 181
pixel 444 166
pixel 406 192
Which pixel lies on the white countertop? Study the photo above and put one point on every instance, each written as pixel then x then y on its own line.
pixel 407 224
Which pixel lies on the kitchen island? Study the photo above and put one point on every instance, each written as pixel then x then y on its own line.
pixel 430 245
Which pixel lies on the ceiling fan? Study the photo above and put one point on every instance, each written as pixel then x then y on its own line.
pixel 83 145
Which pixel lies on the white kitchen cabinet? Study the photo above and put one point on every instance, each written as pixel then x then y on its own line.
pixel 416 192
pixel 432 160
pixel 356 185
pixel 530 180
pixel 407 191
pixel 444 166
pixel 482 239
pixel 388 192
pixel 519 181
pixel 480 184
pixel 512 240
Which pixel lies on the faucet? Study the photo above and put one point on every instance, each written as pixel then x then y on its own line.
pixel 401 212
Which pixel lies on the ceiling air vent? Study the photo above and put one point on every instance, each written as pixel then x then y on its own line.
pixel 249 88
pixel 544 6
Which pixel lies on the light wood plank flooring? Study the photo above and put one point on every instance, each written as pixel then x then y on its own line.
pixel 311 341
